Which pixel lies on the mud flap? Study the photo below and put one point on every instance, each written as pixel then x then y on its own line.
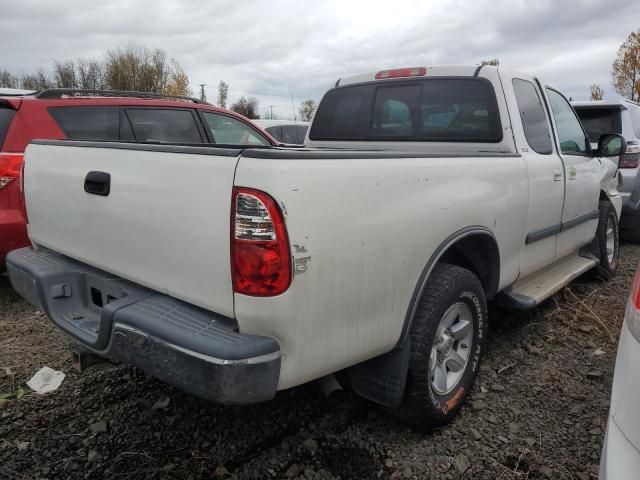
pixel 383 379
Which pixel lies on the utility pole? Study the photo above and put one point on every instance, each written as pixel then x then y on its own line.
pixel 271 114
pixel 203 97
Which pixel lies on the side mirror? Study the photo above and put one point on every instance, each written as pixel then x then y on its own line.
pixel 611 145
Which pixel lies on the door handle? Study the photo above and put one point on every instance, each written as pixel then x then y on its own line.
pixel 557 175
pixel 98 183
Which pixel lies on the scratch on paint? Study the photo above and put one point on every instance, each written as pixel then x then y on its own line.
pixel 299 248
pixel 301 265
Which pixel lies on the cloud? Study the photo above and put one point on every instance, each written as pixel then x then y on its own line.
pixel 282 47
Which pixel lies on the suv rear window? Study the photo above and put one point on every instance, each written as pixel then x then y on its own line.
pixel 437 110
pixel 164 125
pixel 6 115
pixel 88 123
pixel 598 121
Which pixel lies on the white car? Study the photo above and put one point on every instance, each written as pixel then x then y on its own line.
pixel 233 273
pixel 286 131
pixel 620 459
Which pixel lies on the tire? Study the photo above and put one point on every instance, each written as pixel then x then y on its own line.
pixel 606 243
pixel 451 292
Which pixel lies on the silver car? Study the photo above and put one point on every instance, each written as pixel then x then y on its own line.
pixel 621 451
pixel 619 116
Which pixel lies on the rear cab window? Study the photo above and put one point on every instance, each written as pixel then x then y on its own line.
pixel 432 109
pixel 599 120
pixel 6 115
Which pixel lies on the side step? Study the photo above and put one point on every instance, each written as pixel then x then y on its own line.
pixel 530 291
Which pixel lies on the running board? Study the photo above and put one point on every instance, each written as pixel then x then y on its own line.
pixel 530 291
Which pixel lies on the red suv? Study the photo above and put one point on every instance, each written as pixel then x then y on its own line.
pixel 106 116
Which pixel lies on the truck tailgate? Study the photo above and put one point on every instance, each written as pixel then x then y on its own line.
pixel 164 223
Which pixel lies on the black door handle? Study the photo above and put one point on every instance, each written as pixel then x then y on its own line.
pixel 97 183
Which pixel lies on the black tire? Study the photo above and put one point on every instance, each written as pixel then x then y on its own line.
pixel 448 286
pixel 607 266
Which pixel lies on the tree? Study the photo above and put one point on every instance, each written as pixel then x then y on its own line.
pixel 8 79
pixel 625 71
pixel 247 107
pixel 493 61
pixel 306 110
pixel 178 82
pixel 90 74
pixel 137 68
pixel 596 92
pixel 39 80
pixel 64 74
pixel 223 94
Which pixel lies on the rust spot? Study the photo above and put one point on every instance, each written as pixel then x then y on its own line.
pixel 453 401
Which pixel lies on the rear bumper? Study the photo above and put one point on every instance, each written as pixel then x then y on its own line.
pixel 193 349
pixel 13 233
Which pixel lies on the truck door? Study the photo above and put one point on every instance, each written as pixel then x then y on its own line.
pixel 582 177
pixel 545 172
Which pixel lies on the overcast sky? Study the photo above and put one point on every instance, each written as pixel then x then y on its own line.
pixel 273 48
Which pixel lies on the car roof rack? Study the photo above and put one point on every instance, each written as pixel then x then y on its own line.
pixel 82 92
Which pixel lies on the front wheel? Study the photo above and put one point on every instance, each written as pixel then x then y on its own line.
pixel 606 244
pixel 447 340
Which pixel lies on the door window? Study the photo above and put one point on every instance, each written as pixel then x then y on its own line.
pixel 573 141
pixel 226 130
pixel 88 123
pixel 164 125
pixel 534 121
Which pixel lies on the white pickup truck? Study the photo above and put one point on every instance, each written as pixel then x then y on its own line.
pixel 234 271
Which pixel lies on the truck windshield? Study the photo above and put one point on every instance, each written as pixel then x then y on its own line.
pixel 437 110
pixel 598 121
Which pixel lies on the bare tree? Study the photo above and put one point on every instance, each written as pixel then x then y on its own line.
pixel 596 92
pixel 90 74
pixel 223 94
pixel 247 107
pixel 493 61
pixel 625 71
pixel 8 79
pixel 64 74
pixel 306 109
pixel 39 80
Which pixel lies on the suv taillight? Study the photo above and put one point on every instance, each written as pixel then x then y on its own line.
pixel 631 157
pixel 260 257
pixel 10 166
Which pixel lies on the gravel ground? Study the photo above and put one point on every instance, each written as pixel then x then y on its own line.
pixel 538 409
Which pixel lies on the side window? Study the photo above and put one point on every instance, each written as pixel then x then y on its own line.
pixel 570 133
pixel 534 121
pixel 6 115
pixel 164 125
pixel 392 115
pixel 88 123
pixel 226 130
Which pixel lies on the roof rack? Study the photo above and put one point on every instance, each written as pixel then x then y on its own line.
pixel 82 92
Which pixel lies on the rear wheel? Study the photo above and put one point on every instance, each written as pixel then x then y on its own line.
pixel 447 341
pixel 606 244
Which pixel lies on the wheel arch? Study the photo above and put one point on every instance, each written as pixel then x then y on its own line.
pixel 474 248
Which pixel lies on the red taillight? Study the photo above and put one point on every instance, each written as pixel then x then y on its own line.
pixel 401 72
pixel 260 258
pixel 10 166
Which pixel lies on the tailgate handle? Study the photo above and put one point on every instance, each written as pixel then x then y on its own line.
pixel 97 183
